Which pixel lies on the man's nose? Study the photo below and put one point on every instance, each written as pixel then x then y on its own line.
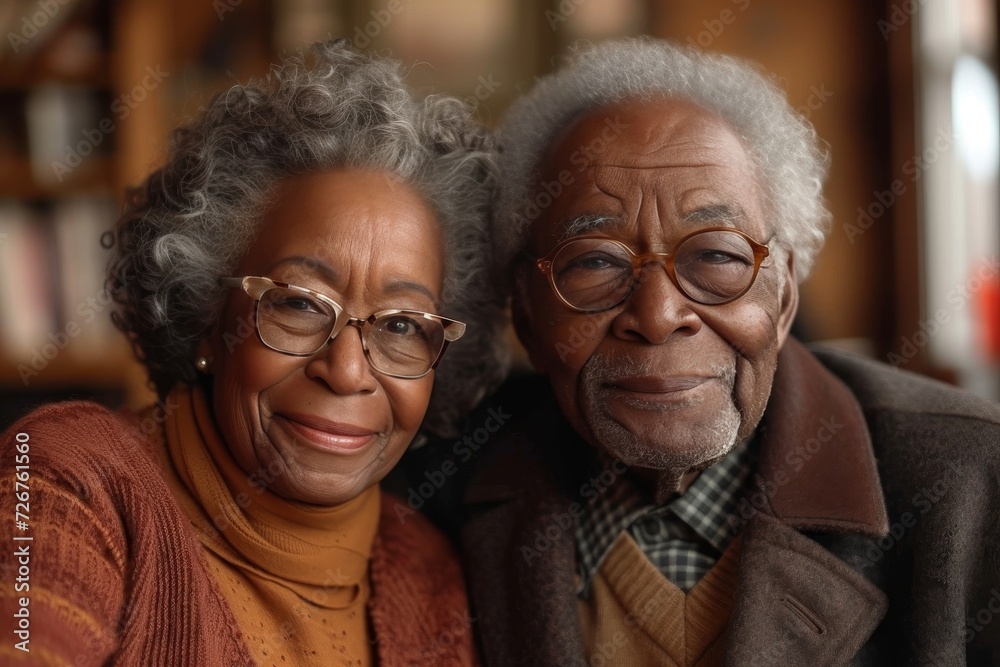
pixel 656 310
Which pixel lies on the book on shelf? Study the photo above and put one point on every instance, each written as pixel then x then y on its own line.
pixel 84 306
pixel 27 285
pixel 52 295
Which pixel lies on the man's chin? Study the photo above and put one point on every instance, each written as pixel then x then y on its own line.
pixel 670 445
pixel 661 458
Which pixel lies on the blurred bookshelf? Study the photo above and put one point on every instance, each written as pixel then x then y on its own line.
pixel 89 92
pixel 58 194
pixel 91 89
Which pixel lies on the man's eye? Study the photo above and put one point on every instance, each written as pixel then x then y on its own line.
pixel 595 262
pixel 718 257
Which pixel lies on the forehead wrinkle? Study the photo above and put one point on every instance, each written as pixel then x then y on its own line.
pixel 327 272
pixel 333 278
pixel 670 165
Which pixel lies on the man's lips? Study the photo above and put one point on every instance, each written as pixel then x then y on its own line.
pixel 326 434
pixel 659 384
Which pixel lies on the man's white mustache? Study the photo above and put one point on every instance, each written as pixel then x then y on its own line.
pixel 605 369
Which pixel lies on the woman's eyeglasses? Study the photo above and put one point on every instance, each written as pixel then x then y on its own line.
pixel 301 322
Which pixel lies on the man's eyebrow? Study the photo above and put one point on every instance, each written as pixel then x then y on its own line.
pixel 719 213
pixel 587 223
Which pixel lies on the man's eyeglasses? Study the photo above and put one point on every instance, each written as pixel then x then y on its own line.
pixel 301 322
pixel 712 266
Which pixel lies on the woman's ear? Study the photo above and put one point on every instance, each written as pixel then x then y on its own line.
pixel 788 299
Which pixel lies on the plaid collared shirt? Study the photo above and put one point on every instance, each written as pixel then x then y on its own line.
pixel 683 538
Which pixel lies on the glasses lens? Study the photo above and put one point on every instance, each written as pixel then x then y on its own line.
pixel 294 321
pixel 592 274
pixel 715 266
pixel 405 343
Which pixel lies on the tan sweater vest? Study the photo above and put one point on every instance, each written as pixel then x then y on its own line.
pixel 636 616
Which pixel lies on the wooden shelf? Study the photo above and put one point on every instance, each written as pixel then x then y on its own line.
pixel 28 78
pixel 104 48
pixel 95 174
pixel 113 367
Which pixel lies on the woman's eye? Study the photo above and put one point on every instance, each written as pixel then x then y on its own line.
pixel 401 326
pixel 299 305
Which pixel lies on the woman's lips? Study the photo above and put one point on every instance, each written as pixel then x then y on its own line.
pixel 326 434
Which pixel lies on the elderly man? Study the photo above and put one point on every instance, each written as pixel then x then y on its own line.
pixel 693 486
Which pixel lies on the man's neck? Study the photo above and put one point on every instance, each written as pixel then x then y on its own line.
pixel 665 485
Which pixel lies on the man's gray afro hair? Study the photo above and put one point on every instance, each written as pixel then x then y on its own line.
pixel 791 161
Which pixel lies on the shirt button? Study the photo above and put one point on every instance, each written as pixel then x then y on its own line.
pixel 651 528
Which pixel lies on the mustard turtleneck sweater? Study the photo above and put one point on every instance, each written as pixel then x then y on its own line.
pixel 295 575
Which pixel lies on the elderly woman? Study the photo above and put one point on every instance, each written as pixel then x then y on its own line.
pixel 289 278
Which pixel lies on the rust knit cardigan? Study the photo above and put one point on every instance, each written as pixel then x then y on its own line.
pixel 117 575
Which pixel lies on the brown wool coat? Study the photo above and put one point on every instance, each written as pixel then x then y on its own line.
pixel 874 538
pixel 118 577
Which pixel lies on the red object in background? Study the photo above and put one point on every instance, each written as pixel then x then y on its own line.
pixel 989 310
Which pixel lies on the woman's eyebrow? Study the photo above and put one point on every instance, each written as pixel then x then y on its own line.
pixel 331 276
pixel 311 263
pixel 407 286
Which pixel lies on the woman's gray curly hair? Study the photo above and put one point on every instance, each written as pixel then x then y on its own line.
pixel 783 145
pixel 195 217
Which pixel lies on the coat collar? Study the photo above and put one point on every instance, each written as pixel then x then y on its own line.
pixel 817 470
